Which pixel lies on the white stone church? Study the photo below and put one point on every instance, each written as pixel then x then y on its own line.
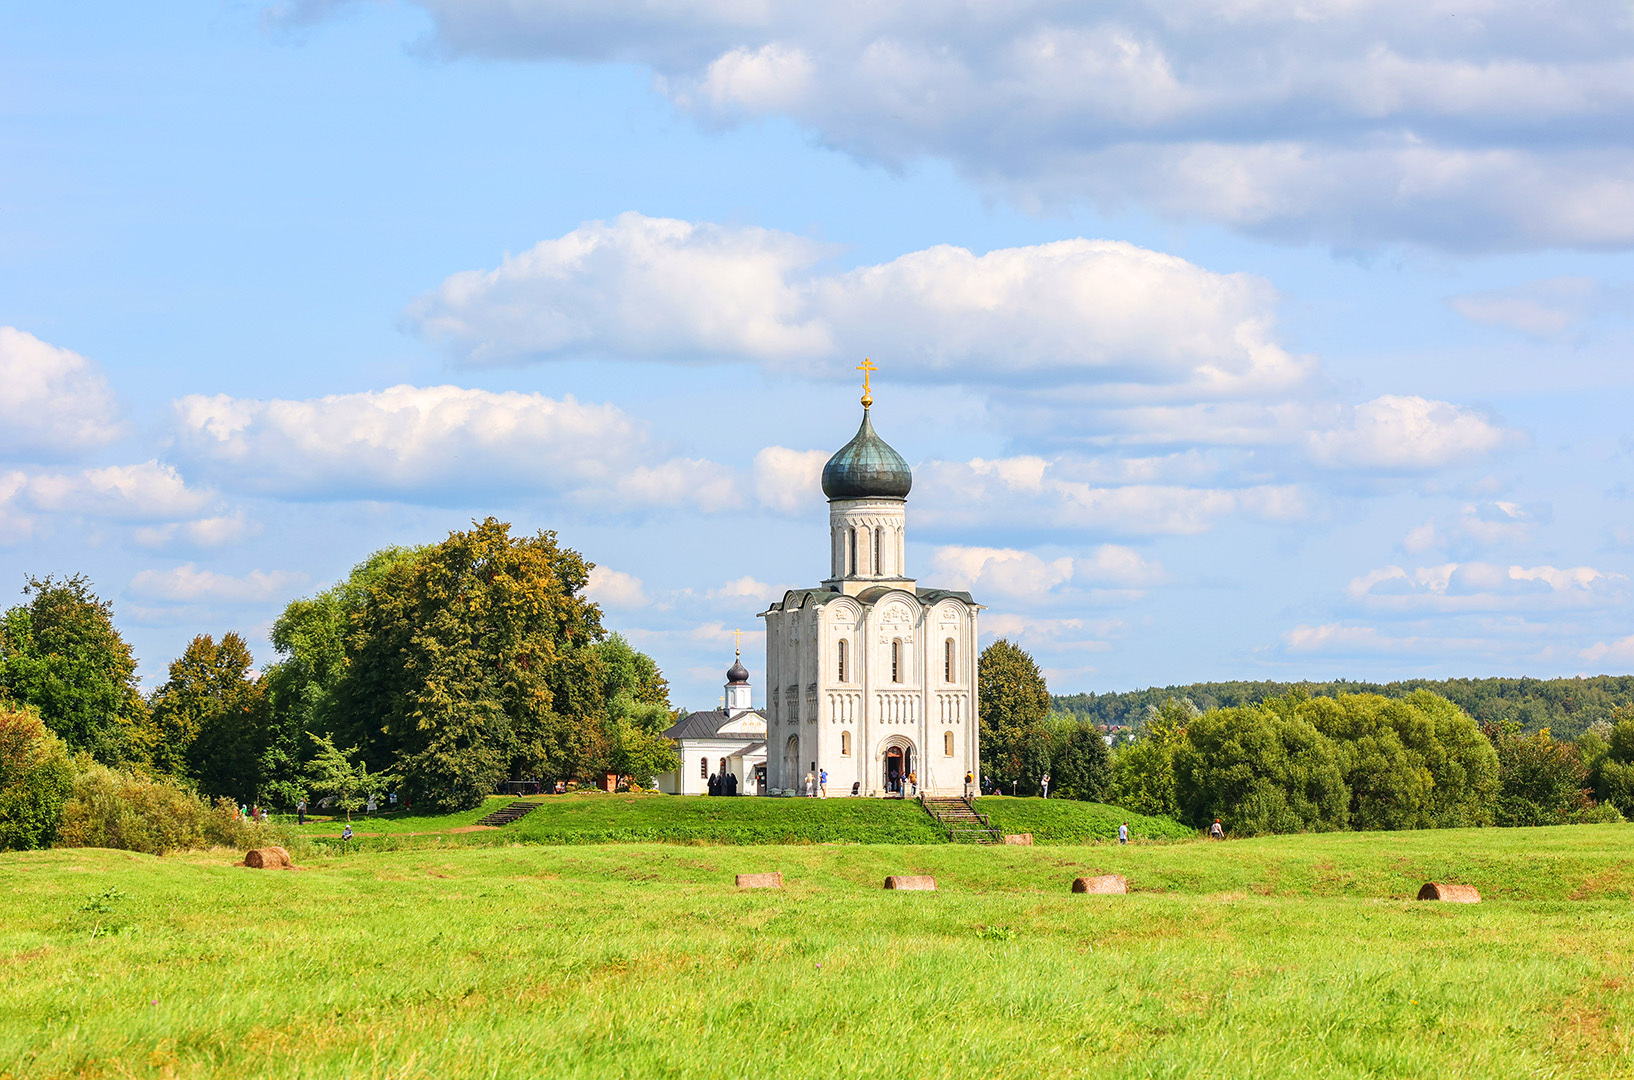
pixel 870 676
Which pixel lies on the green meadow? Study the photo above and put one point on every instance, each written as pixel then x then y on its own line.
pixel 1295 955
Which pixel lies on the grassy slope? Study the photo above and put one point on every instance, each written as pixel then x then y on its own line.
pixel 1251 958
pixel 602 818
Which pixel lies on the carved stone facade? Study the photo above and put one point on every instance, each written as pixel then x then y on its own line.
pixel 877 675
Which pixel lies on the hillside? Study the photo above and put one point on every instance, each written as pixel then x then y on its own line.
pixel 1566 706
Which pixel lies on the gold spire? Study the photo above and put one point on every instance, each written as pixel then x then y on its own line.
pixel 866 367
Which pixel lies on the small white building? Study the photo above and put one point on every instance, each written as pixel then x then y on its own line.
pixel 721 742
pixel 870 676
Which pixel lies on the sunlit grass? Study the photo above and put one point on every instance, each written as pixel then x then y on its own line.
pixel 1290 955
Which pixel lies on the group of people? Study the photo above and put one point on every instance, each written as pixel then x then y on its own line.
pixel 724 784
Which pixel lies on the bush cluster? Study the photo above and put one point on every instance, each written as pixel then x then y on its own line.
pixel 47 798
pixel 112 808
pixel 1357 761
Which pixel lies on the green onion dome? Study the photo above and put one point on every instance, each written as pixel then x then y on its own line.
pixel 867 468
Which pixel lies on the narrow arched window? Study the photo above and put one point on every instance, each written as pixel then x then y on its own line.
pixel 896 660
pixel 852 533
pixel 947 743
pixel 879 547
pixel 947 660
pixel 703 768
pixel 839 653
pixel 845 744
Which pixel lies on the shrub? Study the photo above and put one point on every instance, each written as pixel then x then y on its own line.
pixel 35 779
pixel 111 808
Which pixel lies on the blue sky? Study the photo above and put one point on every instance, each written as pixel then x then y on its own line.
pixel 1227 341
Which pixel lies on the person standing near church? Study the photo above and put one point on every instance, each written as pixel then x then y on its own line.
pixel 913 783
pixel 822 784
pixel 1123 833
pixel 300 811
pixel 1046 785
pixel 970 779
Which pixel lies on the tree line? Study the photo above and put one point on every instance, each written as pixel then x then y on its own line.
pixel 1567 707
pixel 1298 761
pixel 438 671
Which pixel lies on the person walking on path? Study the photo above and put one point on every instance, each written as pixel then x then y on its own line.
pixel 1046 785
pixel 822 784
pixel 1215 832
pixel 1123 833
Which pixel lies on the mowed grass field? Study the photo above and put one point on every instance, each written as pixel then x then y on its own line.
pixel 1297 955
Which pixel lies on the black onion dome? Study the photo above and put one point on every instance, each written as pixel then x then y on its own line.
pixel 737 673
pixel 867 468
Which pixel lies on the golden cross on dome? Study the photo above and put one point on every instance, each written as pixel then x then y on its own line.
pixel 737 640
pixel 867 368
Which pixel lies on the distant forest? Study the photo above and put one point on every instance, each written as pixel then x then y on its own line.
pixel 1567 707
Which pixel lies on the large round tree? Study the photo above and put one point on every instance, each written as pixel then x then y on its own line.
pixel 1014 713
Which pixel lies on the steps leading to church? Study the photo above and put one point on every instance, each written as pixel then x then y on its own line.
pixel 960 819
pixel 507 814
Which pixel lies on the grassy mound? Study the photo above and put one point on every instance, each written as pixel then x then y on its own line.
pixel 1063 821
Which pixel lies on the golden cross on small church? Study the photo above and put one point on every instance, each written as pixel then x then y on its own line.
pixel 737 642
pixel 867 368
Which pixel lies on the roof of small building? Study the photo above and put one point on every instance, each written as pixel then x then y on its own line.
pixel 707 725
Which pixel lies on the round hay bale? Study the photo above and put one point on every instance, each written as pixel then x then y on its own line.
pixel 914 882
pixel 1452 894
pixel 1105 885
pixel 268 858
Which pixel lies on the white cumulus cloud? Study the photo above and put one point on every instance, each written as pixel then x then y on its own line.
pixel 1023 575
pixel 1466 587
pixel 1079 310
pixel 435 443
pixel 1465 126
pixel 188 583
pixel 616 589
pixel 52 401
pixel 1408 433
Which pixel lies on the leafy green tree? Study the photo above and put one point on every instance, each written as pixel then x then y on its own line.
pixel 1541 781
pixel 1143 770
pixel 209 718
pixel 1417 762
pixel 1014 713
pixel 1261 770
pixel 629 741
pixel 1081 766
pixel 1611 762
pixel 332 773
pixel 301 688
pixel 36 778
pixel 61 654
pixel 474 660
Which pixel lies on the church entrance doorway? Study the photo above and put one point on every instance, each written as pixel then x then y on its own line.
pixel 791 763
pixel 898 764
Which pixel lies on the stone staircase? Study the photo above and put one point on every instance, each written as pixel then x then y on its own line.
pixel 507 814
pixel 963 824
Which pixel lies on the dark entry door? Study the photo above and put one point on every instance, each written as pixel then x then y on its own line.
pixel 894 770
